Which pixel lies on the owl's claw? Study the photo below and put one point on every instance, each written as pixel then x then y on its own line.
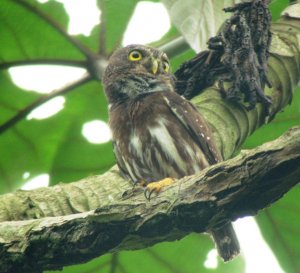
pixel 157 186
pixel 142 183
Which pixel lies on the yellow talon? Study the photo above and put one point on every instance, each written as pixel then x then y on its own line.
pixel 157 186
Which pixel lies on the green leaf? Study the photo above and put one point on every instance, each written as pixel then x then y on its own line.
pixel 179 59
pixel 118 15
pixel 55 145
pixel 8 105
pixel 28 147
pixel 284 120
pixel 277 7
pixel 25 35
pixel 97 265
pixel 196 20
pixel 280 226
pixel 187 255
pixel 75 157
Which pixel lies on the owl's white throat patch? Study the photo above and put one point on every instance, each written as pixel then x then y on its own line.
pixel 158 85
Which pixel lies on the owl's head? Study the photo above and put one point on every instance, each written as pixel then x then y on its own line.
pixel 137 69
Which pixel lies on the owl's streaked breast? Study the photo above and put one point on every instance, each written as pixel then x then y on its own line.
pixel 151 144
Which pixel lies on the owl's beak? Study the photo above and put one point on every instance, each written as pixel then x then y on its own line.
pixel 154 66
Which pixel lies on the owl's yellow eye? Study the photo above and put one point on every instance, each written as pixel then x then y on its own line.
pixel 166 66
pixel 135 55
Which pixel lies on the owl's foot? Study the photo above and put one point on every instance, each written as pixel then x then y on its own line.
pixel 157 186
pixel 142 183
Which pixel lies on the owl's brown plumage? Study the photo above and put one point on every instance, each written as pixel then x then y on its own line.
pixel 157 133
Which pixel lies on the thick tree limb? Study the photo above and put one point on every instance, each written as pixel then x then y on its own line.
pixel 231 124
pixel 231 189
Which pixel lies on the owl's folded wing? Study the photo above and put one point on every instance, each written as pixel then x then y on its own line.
pixel 194 123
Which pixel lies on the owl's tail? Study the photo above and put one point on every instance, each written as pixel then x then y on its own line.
pixel 226 241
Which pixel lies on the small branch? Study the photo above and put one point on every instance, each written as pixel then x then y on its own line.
pixel 175 47
pixel 24 112
pixel 83 49
pixel 74 63
pixel 228 190
pixel 102 34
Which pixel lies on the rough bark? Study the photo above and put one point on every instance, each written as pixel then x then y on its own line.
pixel 231 189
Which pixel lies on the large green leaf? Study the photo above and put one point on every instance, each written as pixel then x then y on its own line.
pixel 187 255
pixel 25 35
pixel 118 14
pixel 277 7
pixel 8 105
pixel 284 120
pixel 280 226
pixel 75 157
pixel 54 145
pixel 198 20
pixel 115 16
pixel 29 146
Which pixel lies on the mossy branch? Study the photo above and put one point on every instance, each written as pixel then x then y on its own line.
pixel 231 189
pixel 231 123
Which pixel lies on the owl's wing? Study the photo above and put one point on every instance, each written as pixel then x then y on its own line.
pixel 194 123
pixel 120 163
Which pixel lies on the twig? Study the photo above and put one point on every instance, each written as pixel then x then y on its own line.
pixel 24 112
pixel 175 47
pixel 102 34
pixel 83 49
pixel 65 62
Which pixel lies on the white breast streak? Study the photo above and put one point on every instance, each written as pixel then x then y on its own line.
pixel 193 156
pixel 136 144
pixel 147 156
pixel 129 169
pixel 166 143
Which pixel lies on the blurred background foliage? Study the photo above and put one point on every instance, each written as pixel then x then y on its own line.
pixel 34 32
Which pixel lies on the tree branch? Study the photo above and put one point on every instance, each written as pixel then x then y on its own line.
pixel 231 189
pixel 102 33
pixel 65 62
pixel 81 47
pixel 175 47
pixel 24 112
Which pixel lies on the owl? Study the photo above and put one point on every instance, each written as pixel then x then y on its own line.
pixel 157 134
